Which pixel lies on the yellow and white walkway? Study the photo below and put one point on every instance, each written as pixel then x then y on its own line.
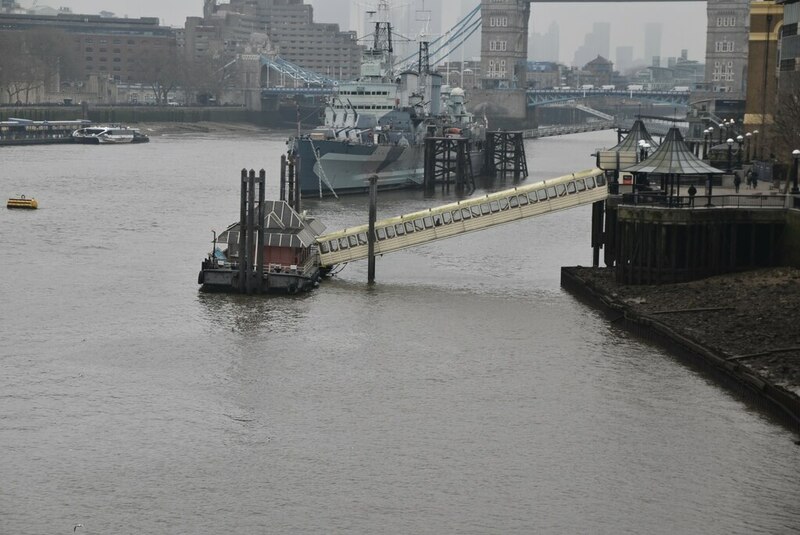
pixel 469 215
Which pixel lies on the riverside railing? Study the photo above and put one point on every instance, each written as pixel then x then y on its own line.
pixel 658 199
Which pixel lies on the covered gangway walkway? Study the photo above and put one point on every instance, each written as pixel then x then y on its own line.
pixel 470 215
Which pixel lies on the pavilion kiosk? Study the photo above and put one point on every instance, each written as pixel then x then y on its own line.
pixel 633 149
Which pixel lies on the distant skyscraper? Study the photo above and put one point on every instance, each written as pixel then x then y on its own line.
pixel 652 41
pixel 624 58
pixel 544 47
pixel 596 43
pixel 602 38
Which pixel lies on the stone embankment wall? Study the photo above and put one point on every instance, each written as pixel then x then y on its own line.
pixel 790 240
pixel 132 114
pixel 504 108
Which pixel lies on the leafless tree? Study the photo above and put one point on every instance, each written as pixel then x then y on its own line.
pixel 32 59
pixel 211 74
pixel 162 70
pixel 786 131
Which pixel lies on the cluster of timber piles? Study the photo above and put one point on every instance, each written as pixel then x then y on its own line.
pixel 448 159
pixel 656 245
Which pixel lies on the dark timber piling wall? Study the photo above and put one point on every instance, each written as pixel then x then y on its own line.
pixel 661 245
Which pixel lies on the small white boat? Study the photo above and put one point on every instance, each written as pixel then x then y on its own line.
pixel 101 135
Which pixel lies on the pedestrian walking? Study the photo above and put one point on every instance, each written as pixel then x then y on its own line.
pixel 737 180
pixel 692 192
pixel 749 178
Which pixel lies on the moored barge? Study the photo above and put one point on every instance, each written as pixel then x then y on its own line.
pixel 26 132
pixel 272 251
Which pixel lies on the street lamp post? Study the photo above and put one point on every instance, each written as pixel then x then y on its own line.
pixel 796 158
pixel 755 145
pixel 730 155
pixel 721 128
pixel 747 141
pixel 739 141
pixel 706 134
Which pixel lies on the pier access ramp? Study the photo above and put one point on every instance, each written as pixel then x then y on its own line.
pixel 470 215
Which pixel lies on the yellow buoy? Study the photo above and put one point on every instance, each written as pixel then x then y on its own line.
pixel 22 202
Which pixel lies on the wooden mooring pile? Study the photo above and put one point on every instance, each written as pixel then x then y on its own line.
pixel 290 182
pixel 505 155
pixel 449 160
pixel 448 163
pixel 252 237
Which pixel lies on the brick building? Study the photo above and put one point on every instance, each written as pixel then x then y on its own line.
pixel 789 61
pixel 291 31
pixel 114 47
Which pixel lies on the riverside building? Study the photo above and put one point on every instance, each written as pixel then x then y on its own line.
pixel 109 47
pixel 291 31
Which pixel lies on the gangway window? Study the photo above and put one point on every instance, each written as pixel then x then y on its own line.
pixel 324 247
pixel 590 182
pixel 485 210
pixel 334 245
pixel 447 218
pixel 390 232
pixel 561 190
pixel 571 187
pixel 343 243
pixel 362 238
pixel 353 241
pixel 495 206
pixel 513 202
pixel 409 227
pixel 504 204
pixel 456 215
pixel 476 211
pixel 465 213
pixel 551 192
pixel 541 194
pixel 428 220
pixel 401 231
pixel 580 184
pixel 601 180
pixel 532 197
pixel 381 232
pixel 523 200
pixel 419 224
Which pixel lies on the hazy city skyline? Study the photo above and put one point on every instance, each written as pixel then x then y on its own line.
pixel 683 23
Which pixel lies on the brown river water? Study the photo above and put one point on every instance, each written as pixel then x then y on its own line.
pixel 465 392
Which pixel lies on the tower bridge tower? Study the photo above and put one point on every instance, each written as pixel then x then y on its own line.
pixel 504 43
pixel 504 55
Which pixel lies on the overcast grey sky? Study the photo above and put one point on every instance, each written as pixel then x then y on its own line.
pixel 684 22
